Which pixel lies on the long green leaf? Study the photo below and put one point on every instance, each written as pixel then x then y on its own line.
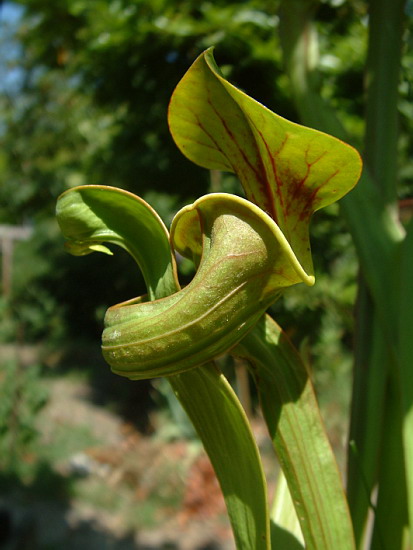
pixel 285 527
pixel 222 426
pixel 371 215
pixel 406 361
pixel 292 415
pixel 386 29
pixel 92 215
pixel 366 435
pixel 390 512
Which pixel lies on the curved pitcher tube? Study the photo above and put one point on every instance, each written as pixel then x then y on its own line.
pixel 244 263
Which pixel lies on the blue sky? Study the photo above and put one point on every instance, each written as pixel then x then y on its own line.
pixel 10 53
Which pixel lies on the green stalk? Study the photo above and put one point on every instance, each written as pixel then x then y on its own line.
pixel 406 362
pixel 299 43
pixel 391 510
pixel 382 75
pixel 381 134
pixel 372 220
pixel 299 438
pixel 366 420
pixel 381 141
pixel 285 527
pixel 216 414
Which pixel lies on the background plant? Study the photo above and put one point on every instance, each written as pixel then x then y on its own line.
pixel 23 397
pixel 383 363
pixel 336 76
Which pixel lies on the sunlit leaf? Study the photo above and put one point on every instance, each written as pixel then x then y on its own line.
pixel 290 171
pixel 92 214
pixel 293 418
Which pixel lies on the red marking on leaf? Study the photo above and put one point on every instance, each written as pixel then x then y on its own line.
pixel 277 180
pixel 308 207
pixel 259 172
pixel 311 164
pixel 214 141
pixel 308 196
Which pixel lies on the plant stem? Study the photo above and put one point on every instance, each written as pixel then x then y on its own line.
pixel 370 210
pixel 406 361
pixel 382 78
pixel 371 368
pixel 292 415
pixel 391 513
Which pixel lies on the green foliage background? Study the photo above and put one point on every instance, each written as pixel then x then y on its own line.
pixel 89 107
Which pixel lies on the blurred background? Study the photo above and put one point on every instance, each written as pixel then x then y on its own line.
pixel 87 459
